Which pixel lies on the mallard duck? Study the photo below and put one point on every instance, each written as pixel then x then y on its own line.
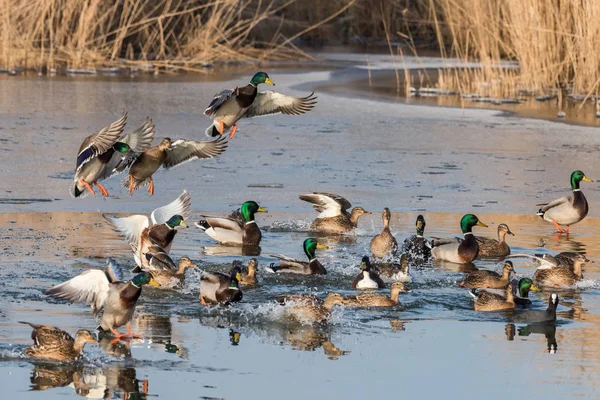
pixel 367 278
pixel 248 274
pixel 489 279
pixel 107 153
pixel 221 288
pixel 416 247
pixel 492 247
pixel 231 105
pixel 488 301
pixel 104 290
pixel 163 268
pixel 312 267
pixel 564 270
pixel 142 232
pixel 456 250
pixel 238 229
pixel 537 316
pixel 569 259
pixel 333 215
pixel 384 244
pixel 376 299
pixel 307 308
pixel 56 344
pixel 168 154
pixel 397 271
pixel 567 210
pixel 522 289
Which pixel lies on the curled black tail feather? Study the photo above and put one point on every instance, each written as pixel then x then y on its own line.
pixel 203 224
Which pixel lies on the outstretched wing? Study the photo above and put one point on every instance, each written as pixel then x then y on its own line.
pixel 274 103
pixel 179 206
pixel 327 204
pixel 218 101
pixel 91 287
pixel 188 150
pixel 99 142
pixel 130 228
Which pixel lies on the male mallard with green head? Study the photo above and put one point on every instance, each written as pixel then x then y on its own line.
pixel 489 279
pixel 456 250
pixel 367 278
pixel 416 247
pixel 312 267
pixel 231 105
pixel 522 287
pixel 217 287
pixel 488 301
pixel 104 290
pixel 107 153
pixel 567 210
pixel 307 308
pixel 492 247
pixel 333 215
pixel 56 344
pixel 238 229
pixel 384 244
pixel 168 154
pixel 376 299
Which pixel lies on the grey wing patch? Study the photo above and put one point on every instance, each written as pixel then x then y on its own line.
pixel 180 206
pixel 218 101
pixel 99 142
pixel 557 202
pixel 188 150
pixel 274 103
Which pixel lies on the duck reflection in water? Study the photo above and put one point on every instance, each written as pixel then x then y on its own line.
pixel 90 382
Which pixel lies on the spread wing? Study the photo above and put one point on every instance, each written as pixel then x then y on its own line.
pixel 99 142
pixel 180 206
pixel 188 150
pixel 546 261
pixel 130 228
pixel 90 287
pixel 274 103
pixel 327 204
pixel 218 101
pixel 555 203
pixel 113 271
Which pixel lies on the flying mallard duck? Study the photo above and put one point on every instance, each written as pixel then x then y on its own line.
pixel 416 247
pixel 238 229
pixel 142 232
pixel 312 267
pixel 492 247
pixel 104 290
pixel 217 287
pixel 231 105
pixel 537 316
pixel 162 267
pixel 384 244
pixel 367 278
pixel 307 308
pixel 168 154
pixel 107 153
pixel 248 273
pixel 489 279
pixel 56 344
pixel 567 210
pixel 376 299
pixel 459 251
pixel 488 301
pixel 333 217
pixel 564 270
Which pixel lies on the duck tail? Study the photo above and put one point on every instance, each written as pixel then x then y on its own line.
pixel 474 293
pixel 212 131
pixel 540 213
pixel 203 224
pixel 272 268
pixel 74 190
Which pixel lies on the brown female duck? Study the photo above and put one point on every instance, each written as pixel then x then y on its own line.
pixel 163 269
pixel 248 275
pixel 384 244
pixel 307 308
pixel 333 215
pixel 220 288
pixel 488 301
pixel 489 279
pixel 55 344
pixel 376 299
pixel 492 247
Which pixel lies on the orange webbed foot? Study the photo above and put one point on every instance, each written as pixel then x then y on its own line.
pixel 221 126
pixel 151 187
pixel 87 186
pixel 102 189
pixel 130 184
pixel 232 131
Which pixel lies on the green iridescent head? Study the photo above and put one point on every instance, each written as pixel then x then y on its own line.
pixel 420 225
pixel 525 286
pixel 310 245
pixel 469 221
pixel 175 221
pixel 249 208
pixel 121 147
pixel 576 177
pixel 261 77
pixel 144 278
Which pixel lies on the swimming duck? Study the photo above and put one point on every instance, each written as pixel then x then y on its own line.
pixel 238 229
pixel 231 105
pixel 163 268
pixel 248 274
pixel 107 153
pixel 488 301
pixel 168 154
pixel 492 247
pixel 55 344
pixel 561 276
pixel 333 215
pixel 312 267
pixel 537 316
pixel 384 244
pixel 367 278
pixel 489 279
pixel 567 210
pixel 416 247
pixel 569 258
pixel 522 289
pixel 105 290
pixel 397 271
pixel 307 308
pixel 456 250
pixel 142 232
pixel 221 288
pixel 376 299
